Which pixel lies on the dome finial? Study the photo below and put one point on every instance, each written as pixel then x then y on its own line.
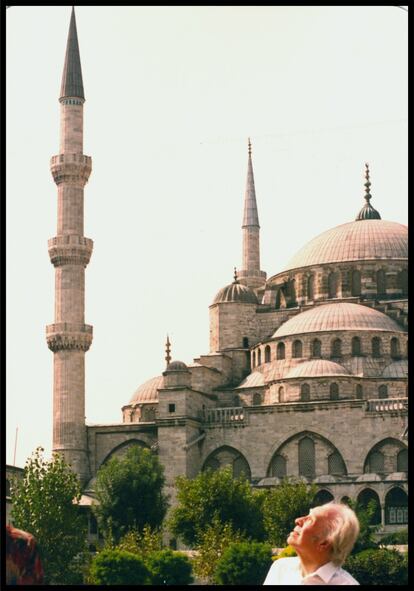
pixel 167 351
pixel 250 146
pixel 367 212
pixel 235 276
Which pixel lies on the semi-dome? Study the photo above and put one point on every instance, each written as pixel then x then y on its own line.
pixel 147 392
pixel 236 292
pixel 396 369
pixel 317 368
pixel 253 380
pixel 177 366
pixel 337 316
pixel 364 239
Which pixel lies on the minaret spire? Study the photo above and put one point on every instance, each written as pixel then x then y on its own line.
pixel 250 274
pixel 368 212
pixel 167 351
pixel 69 337
pixel 72 84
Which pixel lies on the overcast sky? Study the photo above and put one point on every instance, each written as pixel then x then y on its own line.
pixel 172 93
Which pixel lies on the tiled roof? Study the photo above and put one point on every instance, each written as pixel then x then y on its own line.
pixel 396 369
pixel 317 367
pixel 338 316
pixel 355 241
pixel 236 292
pixel 147 392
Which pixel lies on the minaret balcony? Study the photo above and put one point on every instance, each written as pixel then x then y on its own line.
pixel 70 249
pixel 65 336
pixel 71 168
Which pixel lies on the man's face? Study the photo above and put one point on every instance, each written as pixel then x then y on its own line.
pixel 309 532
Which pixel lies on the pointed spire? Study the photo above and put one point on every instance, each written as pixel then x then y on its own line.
pixel 72 85
pixel 167 351
pixel 367 212
pixel 250 217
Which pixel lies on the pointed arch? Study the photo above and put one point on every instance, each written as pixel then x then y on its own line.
pixel 267 354
pixel 322 497
pixel 121 449
pixel 364 497
pixel 396 506
pixel 306 457
pixel 228 456
pixel 278 466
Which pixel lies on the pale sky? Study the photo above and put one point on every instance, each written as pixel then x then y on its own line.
pixel 172 94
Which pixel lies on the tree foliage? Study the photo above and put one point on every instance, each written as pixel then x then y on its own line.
pixel 143 543
pixel 130 493
pixel 378 567
pixel 365 514
pixel 282 505
pixel 118 567
pixel 215 495
pixel 45 505
pixel 169 568
pixel 244 563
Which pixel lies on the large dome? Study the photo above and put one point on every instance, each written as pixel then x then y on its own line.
pixel 147 392
pixel 338 316
pixel 354 241
pixel 236 292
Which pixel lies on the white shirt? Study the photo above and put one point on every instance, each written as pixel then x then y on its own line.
pixel 286 571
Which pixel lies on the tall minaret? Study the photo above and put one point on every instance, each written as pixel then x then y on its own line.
pixel 69 337
pixel 250 273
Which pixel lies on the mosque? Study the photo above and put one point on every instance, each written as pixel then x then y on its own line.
pixel 306 374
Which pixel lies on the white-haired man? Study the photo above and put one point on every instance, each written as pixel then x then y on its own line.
pixel 322 540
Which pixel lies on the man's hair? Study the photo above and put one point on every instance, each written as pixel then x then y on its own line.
pixel 342 529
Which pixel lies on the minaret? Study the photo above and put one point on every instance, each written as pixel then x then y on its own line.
pixel 250 273
pixel 69 337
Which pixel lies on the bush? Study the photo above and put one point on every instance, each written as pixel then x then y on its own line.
pixel 287 552
pixel 244 563
pixel 169 568
pixel 378 567
pixel 398 537
pixel 118 567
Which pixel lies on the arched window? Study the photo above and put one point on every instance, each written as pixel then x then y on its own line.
pixel 383 391
pixel 310 287
pixel 278 466
pixel 322 496
pixel 396 506
pixel 259 356
pixel 267 353
pixel 241 468
pixel 332 285
pixel 245 342
pixel 334 391
pixel 292 292
pixel 257 399
pixel 381 282
pixel 356 346
pixel 395 348
pixel 364 498
pixel 355 283
pixel 402 461
pixel 403 281
pixel 336 464
pixel 254 359
pixel 359 392
pixel 281 394
pixel 316 348
pixel 374 463
pixel 306 451
pixel 376 347
pixel 305 392
pixel 280 351
pixel 228 456
pixel 297 349
pixel 336 348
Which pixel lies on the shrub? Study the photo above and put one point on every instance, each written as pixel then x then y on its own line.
pixel 143 543
pixel 169 568
pixel 287 552
pixel 378 567
pixel 398 537
pixel 118 567
pixel 244 563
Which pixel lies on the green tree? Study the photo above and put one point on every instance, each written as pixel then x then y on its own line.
pixel 378 567
pixel 365 515
pixel 169 568
pixel 282 505
pixel 215 494
pixel 118 567
pixel 244 563
pixel 143 542
pixel 130 493
pixel 45 503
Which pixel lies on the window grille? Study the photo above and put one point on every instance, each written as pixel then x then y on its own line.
pixel 336 350
pixel 375 462
pixel 278 467
pixel 307 457
pixel 316 348
pixel 280 351
pixel 376 347
pixel 336 464
pixel 241 468
pixel 297 349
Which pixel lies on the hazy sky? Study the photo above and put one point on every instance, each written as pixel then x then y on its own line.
pixel 172 93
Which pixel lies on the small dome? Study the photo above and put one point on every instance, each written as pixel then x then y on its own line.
pixel 253 380
pixel 396 369
pixel 177 366
pixel 338 316
pixel 365 239
pixel 317 368
pixel 236 292
pixel 147 392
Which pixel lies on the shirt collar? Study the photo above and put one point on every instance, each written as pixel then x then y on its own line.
pixel 325 572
